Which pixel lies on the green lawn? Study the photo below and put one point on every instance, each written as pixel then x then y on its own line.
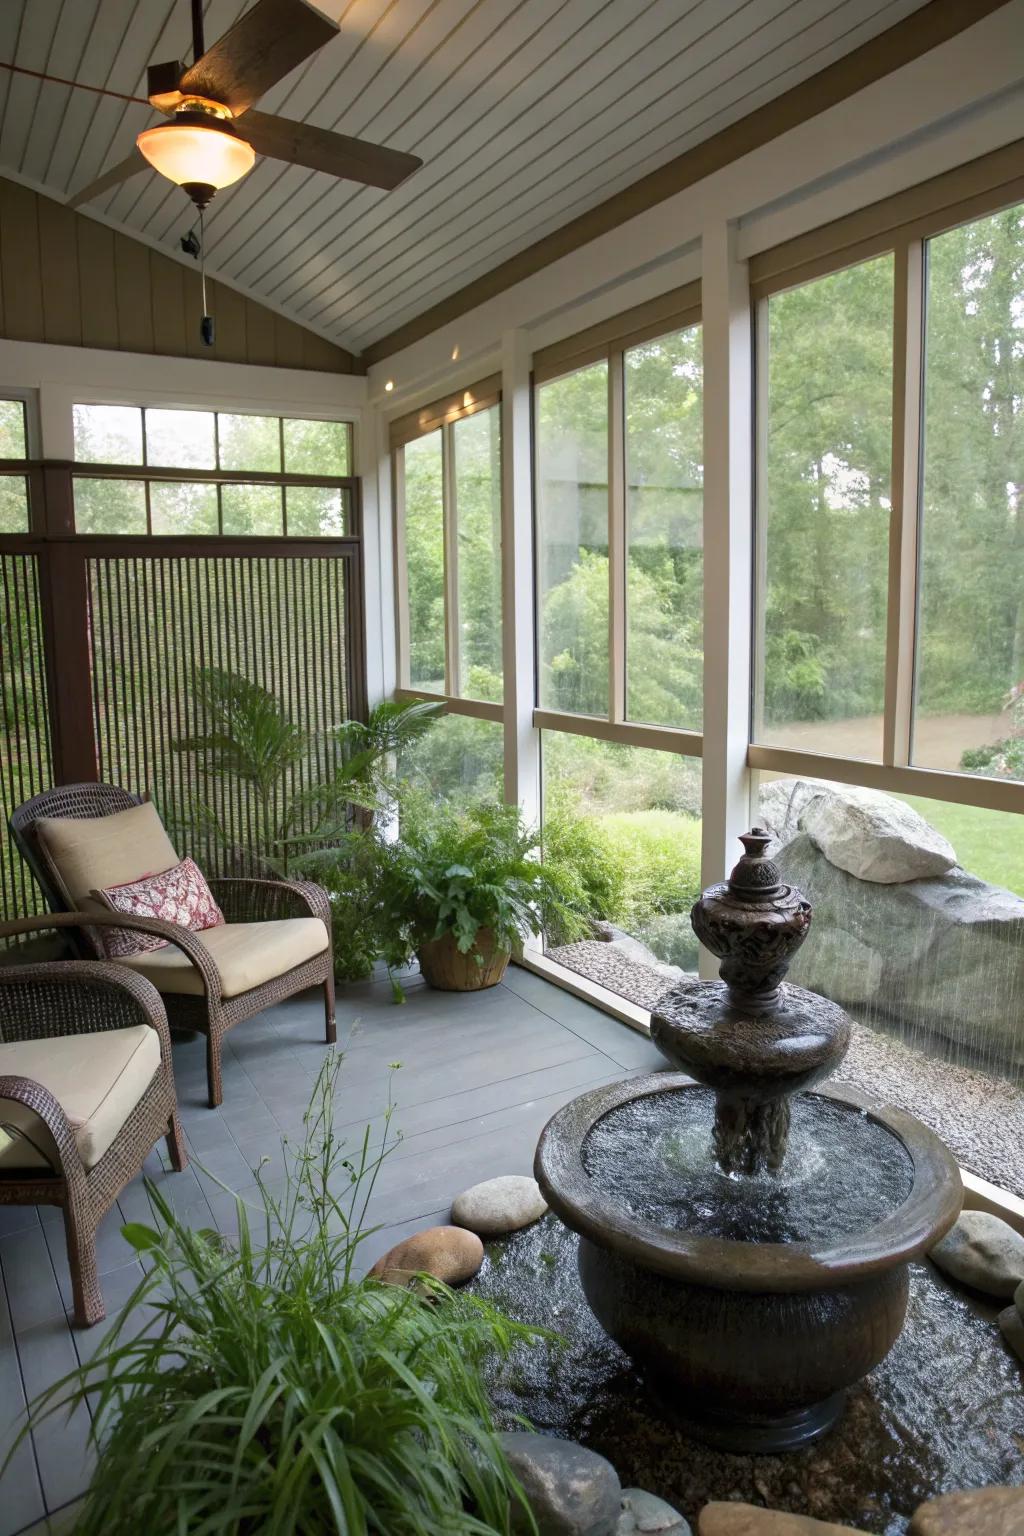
pixel 989 844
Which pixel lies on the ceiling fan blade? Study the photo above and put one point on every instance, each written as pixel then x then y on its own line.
pixel 121 172
pixel 321 150
pixel 261 48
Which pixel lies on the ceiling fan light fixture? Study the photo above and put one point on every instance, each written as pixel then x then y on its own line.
pixel 198 150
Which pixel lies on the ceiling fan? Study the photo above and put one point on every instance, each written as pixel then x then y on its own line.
pixel 212 135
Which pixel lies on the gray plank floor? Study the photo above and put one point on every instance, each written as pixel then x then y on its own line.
pixel 480 1076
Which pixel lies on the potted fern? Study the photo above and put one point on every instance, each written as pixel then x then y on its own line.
pixel 461 889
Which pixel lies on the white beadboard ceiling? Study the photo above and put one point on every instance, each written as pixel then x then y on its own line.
pixel 525 112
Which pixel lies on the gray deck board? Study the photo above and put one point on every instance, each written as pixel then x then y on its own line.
pixel 481 1074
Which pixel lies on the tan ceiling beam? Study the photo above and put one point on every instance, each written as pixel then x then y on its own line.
pixel 917 34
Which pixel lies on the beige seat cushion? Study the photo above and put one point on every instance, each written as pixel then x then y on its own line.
pixel 245 954
pixel 97 1079
pixel 99 851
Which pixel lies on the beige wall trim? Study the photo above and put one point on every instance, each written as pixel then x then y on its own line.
pixel 461 402
pixel 659 738
pixel 981 186
pixel 900 779
pixel 66 279
pixel 670 311
pixel 917 34
pixel 477 709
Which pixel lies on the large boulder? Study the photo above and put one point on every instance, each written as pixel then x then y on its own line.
pixel 944 955
pixel 871 835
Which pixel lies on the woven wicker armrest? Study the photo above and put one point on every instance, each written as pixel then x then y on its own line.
pixel 255 901
pixel 23 1090
pixel 188 942
pixel 78 997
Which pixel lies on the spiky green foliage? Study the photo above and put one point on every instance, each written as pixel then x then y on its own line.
pixel 293 802
pixel 274 1394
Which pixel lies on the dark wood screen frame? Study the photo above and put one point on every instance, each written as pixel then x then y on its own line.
pixel 63 570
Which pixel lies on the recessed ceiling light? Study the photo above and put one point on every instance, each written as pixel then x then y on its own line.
pixel 389 386
pixel 455 354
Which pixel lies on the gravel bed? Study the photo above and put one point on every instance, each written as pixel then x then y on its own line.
pixel 980 1117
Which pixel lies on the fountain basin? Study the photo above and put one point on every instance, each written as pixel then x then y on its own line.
pixel 751 1339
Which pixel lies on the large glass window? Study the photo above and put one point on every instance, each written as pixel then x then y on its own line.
pixel 449 489
pixel 14 516
pixel 626 820
pixel 156 438
pixel 460 759
pixel 970 655
pixel 824 506
pixel 664 452
pixel 572 541
pixel 423 528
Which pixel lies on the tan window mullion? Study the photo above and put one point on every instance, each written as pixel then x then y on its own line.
pixel 616 538
pixel 451 408
pixel 449 527
pixel 401 569
pixel 760 483
pixel 905 496
pixel 672 311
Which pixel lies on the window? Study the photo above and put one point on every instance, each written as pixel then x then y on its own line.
pixel 823 506
pixel 664 450
pixel 970 652
pixel 194 468
pixel 448 496
pixel 572 541
pixel 14 513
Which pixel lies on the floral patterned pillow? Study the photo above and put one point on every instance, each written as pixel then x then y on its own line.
pixel 178 895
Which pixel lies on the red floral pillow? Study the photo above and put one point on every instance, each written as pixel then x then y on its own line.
pixel 178 895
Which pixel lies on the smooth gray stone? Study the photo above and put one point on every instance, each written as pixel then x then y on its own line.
pixel 1011 1325
pixel 982 1251
pixel 1018 1298
pixel 646 1515
pixel 570 1490
pixel 499 1205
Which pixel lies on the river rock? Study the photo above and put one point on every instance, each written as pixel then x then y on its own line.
pixel 974 1512
pixel 875 837
pixel 1011 1325
pixel 570 1490
pixel 647 1515
pixel 450 1254
pixel 750 1520
pixel 499 1205
pixel 944 955
pixel 983 1251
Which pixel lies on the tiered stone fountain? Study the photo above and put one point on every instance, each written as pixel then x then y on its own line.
pixel 745 1240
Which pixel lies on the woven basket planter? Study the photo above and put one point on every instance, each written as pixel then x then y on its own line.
pixel 445 967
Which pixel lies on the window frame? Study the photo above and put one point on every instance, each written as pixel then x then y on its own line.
pixel 901 226
pixel 149 474
pixel 609 341
pixel 440 415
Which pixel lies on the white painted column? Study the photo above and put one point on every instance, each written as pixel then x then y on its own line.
pixel 522 740
pixel 728 523
pixel 373 462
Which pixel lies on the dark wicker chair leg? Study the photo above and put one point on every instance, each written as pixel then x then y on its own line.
pixel 332 1030
pixel 213 1075
pixel 176 1145
pixel 80 1234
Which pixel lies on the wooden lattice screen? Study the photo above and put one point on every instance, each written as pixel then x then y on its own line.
pixel 279 622
pixel 26 759
pixel 101 638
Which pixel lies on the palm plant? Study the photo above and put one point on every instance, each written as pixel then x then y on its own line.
pixel 273 1392
pixel 251 741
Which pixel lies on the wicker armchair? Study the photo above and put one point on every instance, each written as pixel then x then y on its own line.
pixel 57 1157
pixel 197 991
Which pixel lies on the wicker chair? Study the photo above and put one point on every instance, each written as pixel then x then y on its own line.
pixel 39 1004
pixel 200 1000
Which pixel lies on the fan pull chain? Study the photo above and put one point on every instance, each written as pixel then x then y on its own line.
pixel 206 324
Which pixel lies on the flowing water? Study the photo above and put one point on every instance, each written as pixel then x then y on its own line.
pixel 843 1172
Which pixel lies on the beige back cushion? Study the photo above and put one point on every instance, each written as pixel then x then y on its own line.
pixel 99 851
